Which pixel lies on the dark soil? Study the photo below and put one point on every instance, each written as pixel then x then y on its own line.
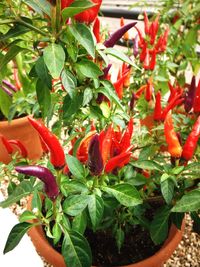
pixel 137 246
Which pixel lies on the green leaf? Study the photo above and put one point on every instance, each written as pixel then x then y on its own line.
pixel 147 165
pixel 87 96
pixel 110 93
pixel 42 72
pixel 159 226
pixel 39 6
pixel 79 223
pixel 120 55
pixel 43 97
pixel 5 103
pixel 84 37
pixel 14 32
pixel 71 106
pixel 189 202
pixel 105 109
pixel 74 205
pixel 12 52
pixel 76 250
pixel 75 167
pixel 126 194
pixel 88 69
pixel 177 219
pixel 54 58
pixel 96 208
pixel 75 8
pixel 167 189
pixel 24 189
pixel 56 232
pixel 16 235
pixel 27 216
pixel 74 187
pixel 69 82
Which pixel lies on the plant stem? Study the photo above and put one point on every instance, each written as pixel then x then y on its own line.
pixel 31 26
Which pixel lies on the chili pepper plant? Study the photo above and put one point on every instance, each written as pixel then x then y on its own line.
pixel 108 174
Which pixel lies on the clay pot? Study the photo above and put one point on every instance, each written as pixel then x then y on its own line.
pixel 22 130
pixel 45 250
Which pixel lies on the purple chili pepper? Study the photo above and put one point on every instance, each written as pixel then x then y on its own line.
pixel 95 161
pixel 132 102
pixel 190 95
pixel 45 175
pixel 114 37
pixel 7 91
pixel 8 84
pixel 135 46
pixel 105 71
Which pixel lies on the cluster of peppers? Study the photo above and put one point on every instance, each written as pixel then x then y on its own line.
pixel 10 144
pixel 173 140
pixel 149 47
pixel 106 151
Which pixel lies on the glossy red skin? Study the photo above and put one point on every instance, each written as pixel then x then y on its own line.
pixel 7 145
pixel 87 16
pixel 57 155
pixel 20 146
pixel 191 142
pixel 174 147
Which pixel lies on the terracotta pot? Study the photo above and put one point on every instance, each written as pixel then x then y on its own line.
pixel 45 250
pixel 22 130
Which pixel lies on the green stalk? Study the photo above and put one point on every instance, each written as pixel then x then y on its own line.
pixel 58 15
pixel 31 26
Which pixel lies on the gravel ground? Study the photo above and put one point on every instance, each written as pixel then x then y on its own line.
pixel 187 253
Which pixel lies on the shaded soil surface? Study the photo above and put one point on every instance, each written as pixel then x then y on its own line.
pixel 137 246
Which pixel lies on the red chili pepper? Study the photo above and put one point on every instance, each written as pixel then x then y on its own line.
pixel 118 85
pixel 57 155
pixel 20 146
pixel 143 52
pixel 126 69
pixel 153 29
pixel 105 144
pixel 140 91
pixel 152 63
pixel 118 161
pixel 146 23
pixel 126 138
pixel 191 141
pixel 82 151
pixel 86 16
pixel 149 89
pixel 164 40
pixel 126 35
pixel 174 102
pixel 174 147
pixel 158 107
pixel 96 30
pixel 6 144
pixel 44 146
pixel 196 105
pixel 146 60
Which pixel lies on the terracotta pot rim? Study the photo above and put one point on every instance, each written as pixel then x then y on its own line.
pixel 14 122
